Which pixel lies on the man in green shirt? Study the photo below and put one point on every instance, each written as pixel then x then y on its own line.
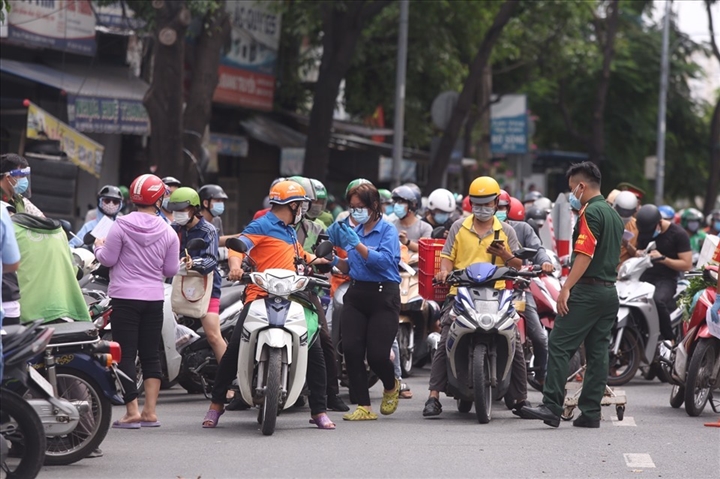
pixel 588 302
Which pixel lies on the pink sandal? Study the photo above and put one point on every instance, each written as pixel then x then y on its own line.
pixel 211 418
pixel 322 421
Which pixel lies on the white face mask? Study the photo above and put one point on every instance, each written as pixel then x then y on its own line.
pixel 483 213
pixel 181 217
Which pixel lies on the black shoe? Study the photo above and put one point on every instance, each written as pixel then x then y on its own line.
pixel 519 407
pixel 543 413
pixel 432 407
pixel 237 403
pixel 335 403
pixel 584 421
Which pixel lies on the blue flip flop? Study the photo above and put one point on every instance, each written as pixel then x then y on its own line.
pixel 149 423
pixel 125 425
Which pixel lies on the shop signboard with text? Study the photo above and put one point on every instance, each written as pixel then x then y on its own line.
pixel 81 150
pixel 91 114
pixel 509 125
pixel 247 68
pixel 66 25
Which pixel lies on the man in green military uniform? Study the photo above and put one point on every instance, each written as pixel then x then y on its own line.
pixel 588 302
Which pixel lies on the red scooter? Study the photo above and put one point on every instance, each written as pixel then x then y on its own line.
pixel 693 365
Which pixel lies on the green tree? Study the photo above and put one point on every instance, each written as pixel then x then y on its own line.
pixel 711 194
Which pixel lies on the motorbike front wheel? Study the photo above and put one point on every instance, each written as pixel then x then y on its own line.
pixel 80 389
pixel 273 389
pixel 699 377
pixel 624 364
pixel 23 432
pixel 677 396
pixel 481 383
pixel 405 336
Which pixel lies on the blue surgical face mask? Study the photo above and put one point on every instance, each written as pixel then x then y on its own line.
pixel 716 226
pixel 21 185
pixel 441 218
pixel 389 209
pixel 400 210
pixel 360 215
pixel 165 202
pixel 574 201
pixel 655 233
pixel 501 215
pixel 217 209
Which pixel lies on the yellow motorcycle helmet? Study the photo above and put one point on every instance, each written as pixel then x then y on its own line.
pixel 483 189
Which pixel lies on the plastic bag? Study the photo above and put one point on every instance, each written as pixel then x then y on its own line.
pixel 184 336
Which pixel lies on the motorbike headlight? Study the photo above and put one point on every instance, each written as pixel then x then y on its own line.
pixel 280 286
pixel 486 321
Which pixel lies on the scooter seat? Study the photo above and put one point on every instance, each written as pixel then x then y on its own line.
pixel 231 295
pixel 75 332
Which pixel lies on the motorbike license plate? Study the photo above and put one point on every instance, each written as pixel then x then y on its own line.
pixel 41 381
pixel 486 307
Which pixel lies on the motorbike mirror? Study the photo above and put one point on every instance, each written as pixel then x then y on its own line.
pixel 88 238
pixel 197 243
pixel 438 233
pixel 66 226
pixel 525 253
pixel 324 249
pixel 236 244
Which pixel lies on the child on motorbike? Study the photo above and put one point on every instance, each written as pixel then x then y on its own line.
pixel 271 243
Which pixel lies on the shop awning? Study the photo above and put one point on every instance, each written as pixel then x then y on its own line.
pixel 81 80
pixel 100 98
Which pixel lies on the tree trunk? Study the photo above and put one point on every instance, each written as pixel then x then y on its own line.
pixel 447 143
pixel 164 99
pixel 205 63
pixel 342 25
pixel 597 142
pixel 713 187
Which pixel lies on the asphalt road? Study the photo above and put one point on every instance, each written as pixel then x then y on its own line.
pixel 654 440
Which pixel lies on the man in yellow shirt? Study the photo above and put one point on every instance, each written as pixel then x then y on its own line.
pixel 479 238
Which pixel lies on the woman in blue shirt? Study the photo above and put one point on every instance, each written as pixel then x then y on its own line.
pixel 372 303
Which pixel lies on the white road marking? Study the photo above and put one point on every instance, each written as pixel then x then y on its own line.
pixel 627 421
pixel 638 460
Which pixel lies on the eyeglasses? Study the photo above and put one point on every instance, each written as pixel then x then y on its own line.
pixel 356 209
pixel 114 201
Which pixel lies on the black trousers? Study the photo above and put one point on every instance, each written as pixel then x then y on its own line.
pixel 328 349
pixel 227 370
pixel 369 325
pixel 664 293
pixel 137 326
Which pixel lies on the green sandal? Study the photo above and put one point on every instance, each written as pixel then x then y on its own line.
pixel 360 414
pixel 390 400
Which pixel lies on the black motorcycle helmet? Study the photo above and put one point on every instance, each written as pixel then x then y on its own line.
pixel 171 181
pixel 647 218
pixel 110 191
pixel 538 215
pixel 211 192
pixel 112 206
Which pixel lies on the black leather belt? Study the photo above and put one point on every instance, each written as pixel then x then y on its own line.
pixel 596 282
pixel 371 285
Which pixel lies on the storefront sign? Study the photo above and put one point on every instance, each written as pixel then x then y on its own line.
pixel 247 70
pixel 67 25
pixel 107 115
pixel 292 161
pixel 81 150
pixel 509 125
pixel 115 16
pixel 229 145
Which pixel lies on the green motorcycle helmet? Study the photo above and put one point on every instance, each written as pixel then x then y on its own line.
pixel 182 198
pixel 385 196
pixel 694 216
pixel 320 202
pixel 353 184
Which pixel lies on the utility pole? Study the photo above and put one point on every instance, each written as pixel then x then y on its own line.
pixel 399 123
pixel 661 125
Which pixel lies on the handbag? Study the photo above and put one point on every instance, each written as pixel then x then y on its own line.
pixel 191 294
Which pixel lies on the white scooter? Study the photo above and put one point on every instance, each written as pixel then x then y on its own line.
pixel 273 357
pixel 636 335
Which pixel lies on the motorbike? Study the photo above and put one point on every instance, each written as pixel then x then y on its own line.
pixel 418 319
pixel 23 441
pixel 273 355
pixel 693 365
pixel 636 334
pixel 82 369
pixel 481 340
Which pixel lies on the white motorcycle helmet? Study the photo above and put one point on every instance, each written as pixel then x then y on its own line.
pixel 544 204
pixel 626 204
pixel 442 200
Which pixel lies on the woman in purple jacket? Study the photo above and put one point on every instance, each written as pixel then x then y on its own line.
pixel 141 250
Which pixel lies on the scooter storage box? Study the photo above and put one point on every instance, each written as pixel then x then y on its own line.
pixel 74 332
pixel 429 265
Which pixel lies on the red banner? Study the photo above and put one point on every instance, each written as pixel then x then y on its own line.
pixel 245 88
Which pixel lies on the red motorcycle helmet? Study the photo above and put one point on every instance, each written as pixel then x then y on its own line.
pixel 516 210
pixel 146 190
pixel 466 206
pixel 504 198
